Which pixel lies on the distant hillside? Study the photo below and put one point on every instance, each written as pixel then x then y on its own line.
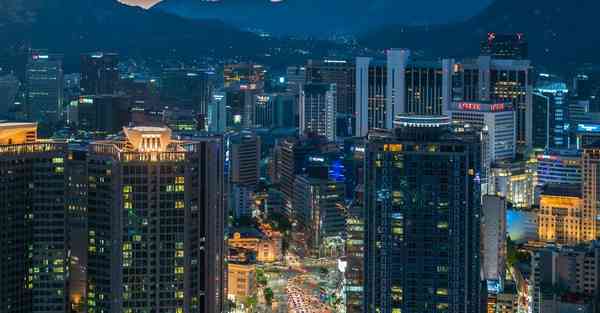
pixel 559 32
pixel 75 26
pixel 322 17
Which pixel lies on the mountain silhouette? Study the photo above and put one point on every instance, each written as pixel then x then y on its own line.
pixel 75 26
pixel 320 17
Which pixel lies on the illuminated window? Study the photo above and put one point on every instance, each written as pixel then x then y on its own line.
pixel 179 270
pixel 179 205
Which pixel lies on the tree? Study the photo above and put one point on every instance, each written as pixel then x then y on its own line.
pixel 268 296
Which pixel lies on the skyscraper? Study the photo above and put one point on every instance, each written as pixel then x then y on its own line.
pixel 399 85
pixel 341 73
pixel 318 205
pixel 498 80
pixel 99 73
pixel 155 224
pixel 422 227
pixel 245 156
pixel 317 110
pixel 494 252
pixel 44 84
pixel 505 46
pixel 186 88
pixel 34 253
pixel 556 92
pixel 496 123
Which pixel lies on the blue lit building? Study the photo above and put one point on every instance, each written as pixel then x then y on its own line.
pixel 559 167
pixel 556 93
pixel 586 134
pixel 422 225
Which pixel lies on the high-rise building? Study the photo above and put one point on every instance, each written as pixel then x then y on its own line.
pixel 102 113
pixel 422 226
pixel 556 93
pixel 9 86
pixel 399 84
pixel 355 254
pixel 245 156
pixel 34 254
pixel 190 89
pixel 318 205
pixel 565 279
pixel 285 108
pixel 99 73
pixel 498 80
pixel 262 112
pixel 295 78
pixel 155 223
pixel 341 73
pixel 44 85
pixel 559 167
pixel 317 110
pixel 292 159
pixel 496 123
pixel 590 169
pixel 493 231
pixel 217 113
pixel 505 46
pixel 561 218
pixel 540 121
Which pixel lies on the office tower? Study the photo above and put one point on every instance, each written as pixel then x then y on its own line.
pixel 9 86
pixel 575 270
pixel 285 107
pixel 498 80
pixel 422 226
pixel 245 156
pixel 296 78
pixel 34 253
pixel 558 114
pixel 217 113
pixel 342 74
pixel 399 84
pixel 540 121
pixel 247 75
pixel 317 110
pixel 590 162
pixel 292 158
pixel 586 135
pixel 514 181
pixel 144 93
pixel 318 205
pixel 44 85
pixel 186 88
pixel 559 167
pixel 103 113
pixel 505 46
pixel 240 107
pixel 496 122
pixel 355 253
pixel 76 204
pixel 583 87
pixel 262 113
pixel 99 73
pixel 155 223
pixel 241 203
pixel 493 230
pixel 561 218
